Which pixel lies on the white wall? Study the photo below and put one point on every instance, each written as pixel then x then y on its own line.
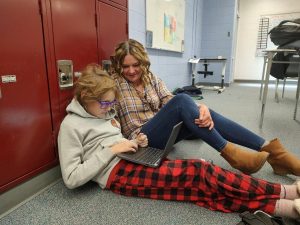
pixel 247 66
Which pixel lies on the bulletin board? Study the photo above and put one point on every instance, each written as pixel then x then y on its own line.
pixel 165 24
pixel 266 23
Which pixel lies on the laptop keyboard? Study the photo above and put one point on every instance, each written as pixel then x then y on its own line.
pixel 151 155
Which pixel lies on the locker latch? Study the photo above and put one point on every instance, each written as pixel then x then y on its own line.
pixel 65 73
pixel 106 65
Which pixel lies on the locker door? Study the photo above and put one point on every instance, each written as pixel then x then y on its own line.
pixel 75 38
pixel 112 28
pixel 121 2
pixel 25 119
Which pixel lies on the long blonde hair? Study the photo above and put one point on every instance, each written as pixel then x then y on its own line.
pixel 137 50
pixel 93 83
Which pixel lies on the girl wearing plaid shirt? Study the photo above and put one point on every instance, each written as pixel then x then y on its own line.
pixel 146 105
pixel 90 139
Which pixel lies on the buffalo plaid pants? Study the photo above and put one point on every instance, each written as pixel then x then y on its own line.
pixel 196 181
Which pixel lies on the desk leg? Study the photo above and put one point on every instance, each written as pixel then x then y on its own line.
pixel 276 91
pixel 193 73
pixel 222 87
pixel 266 84
pixel 223 75
pixel 262 77
pixel 297 93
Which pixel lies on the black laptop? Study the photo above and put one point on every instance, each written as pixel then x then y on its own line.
pixel 149 156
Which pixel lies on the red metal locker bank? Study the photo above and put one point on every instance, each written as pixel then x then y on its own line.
pixel 25 115
pixel 44 44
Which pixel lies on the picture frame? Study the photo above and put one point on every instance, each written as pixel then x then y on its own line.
pixel 165 21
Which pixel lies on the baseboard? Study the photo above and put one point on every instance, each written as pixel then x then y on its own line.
pixel 289 81
pixel 210 84
pixel 15 197
pixel 249 81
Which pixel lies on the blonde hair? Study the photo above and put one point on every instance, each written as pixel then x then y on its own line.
pixel 93 83
pixel 137 50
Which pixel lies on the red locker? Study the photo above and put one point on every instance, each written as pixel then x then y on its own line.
pixel 121 2
pixel 112 27
pixel 75 39
pixel 25 115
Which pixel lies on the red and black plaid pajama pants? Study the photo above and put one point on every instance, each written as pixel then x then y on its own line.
pixel 195 181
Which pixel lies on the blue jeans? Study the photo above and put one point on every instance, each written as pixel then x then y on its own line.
pixel 183 108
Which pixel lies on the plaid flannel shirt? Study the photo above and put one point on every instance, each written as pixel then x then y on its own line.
pixel 134 108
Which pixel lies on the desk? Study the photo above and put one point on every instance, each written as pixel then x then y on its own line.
pixel 194 62
pixel 268 60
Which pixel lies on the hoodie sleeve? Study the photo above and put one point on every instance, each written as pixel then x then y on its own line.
pixel 76 170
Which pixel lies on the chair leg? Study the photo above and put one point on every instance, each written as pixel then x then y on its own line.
pixel 297 93
pixel 263 77
pixel 283 87
pixel 276 91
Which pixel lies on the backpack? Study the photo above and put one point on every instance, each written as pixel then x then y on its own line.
pixel 278 70
pixel 189 90
pixel 259 218
pixel 282 70
pixel 284 33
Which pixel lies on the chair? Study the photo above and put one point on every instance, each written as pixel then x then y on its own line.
pixel 271 61
pixel 290 73
pixel 285 71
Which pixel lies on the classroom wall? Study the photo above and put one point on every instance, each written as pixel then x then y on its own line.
pixel 248 66
pixel 172 67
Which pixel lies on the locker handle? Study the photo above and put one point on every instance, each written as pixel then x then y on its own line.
pixel 65 73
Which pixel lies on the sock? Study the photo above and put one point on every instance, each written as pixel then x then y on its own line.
pixel 285 208
pixel 282 192
pixel 289 192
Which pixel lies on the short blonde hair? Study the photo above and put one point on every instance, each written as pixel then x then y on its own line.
pixel 93 83
pixel 137 50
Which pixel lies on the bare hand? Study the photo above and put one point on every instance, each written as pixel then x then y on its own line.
pixel 141 140
pixel 124 146
pixel 204 119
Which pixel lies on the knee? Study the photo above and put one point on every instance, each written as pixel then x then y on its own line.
pixel 185 103
pixel 183 99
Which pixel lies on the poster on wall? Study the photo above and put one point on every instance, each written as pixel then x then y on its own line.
pixel 165 24
pixel 266 23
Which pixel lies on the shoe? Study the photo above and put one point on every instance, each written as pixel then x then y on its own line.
pixel 247 162
pixel 282 161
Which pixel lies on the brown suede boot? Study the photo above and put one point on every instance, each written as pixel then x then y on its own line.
pixel 247 162
pixel 282 161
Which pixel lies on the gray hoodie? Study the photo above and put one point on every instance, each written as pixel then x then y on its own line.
pixel 84 146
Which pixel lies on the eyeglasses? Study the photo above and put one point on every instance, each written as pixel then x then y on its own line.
pixel 106 104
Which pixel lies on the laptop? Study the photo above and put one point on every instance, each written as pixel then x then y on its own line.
pixel 149 156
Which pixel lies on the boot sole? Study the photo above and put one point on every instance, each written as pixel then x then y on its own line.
pixel 281 171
